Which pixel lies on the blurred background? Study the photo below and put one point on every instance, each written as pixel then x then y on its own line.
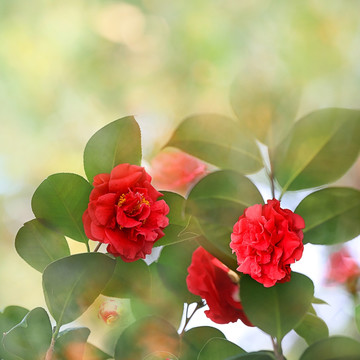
pixel 68 68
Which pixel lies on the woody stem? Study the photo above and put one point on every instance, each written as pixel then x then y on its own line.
pixel 277 349
pixel 199 305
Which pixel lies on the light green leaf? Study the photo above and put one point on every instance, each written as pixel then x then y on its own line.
pixel 277 309
pixel 39 245
pixel 195 339
pixel 145 336
pixel 219 349
pixel 129 280
pixel 72 284
pixel 312 329
pixel 331 215
pixel 265 104
pixel 218 140
pixel 333 348
pixel 31 338
pixel 116 143
pixel 258 355
pixel 60 202
pixel 319 149
pixel 357 317
pixel 217 201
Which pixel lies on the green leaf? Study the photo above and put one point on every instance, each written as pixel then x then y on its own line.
pixel 30 339
pixel 219 349
pixel 172 267
pixel 11 316
pixel 60 201
pixel 39 245
pixel 320 148
pixel 160 355
pixel 265 104
pixel 73 283
pixel 312 329
pixel 277 309
pixel 331 215
pixel 218 140
pixel 195 339
pixel 333 348
pixel 258 355
pixel 116 143
pixel 94 353
pixel 146 336
pixel 71 340
pixel 357 317
pixel 177 219
pixel 129 280
pixel 217 201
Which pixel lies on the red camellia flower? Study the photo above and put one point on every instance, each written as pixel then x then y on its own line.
pixel 109 311
pixel 266 240
pixel 124 212
pixel 342 268
pixel 218 285
pixel 176 171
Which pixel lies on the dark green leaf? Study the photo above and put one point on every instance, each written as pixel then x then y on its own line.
pixel 172 267
pixel 278 309
pixel 160 355
pixel 333 348
pixel 39 245
pixel 318 301
pixel 312 329
pixel 11 316
pixel 321 147
pixel 217 201
pixel 331 215
pixel 116 143
pixel 146 336
pixel 60 201
pixel 30 339
pixel 71 341
pixel 73 283
pixel 129 280
pixel 219 349
pixel 94 353
pixel 258 355
pixel 177 219
pixel 265 104
pixel 218 140
pixel 195 339
pixel 357 317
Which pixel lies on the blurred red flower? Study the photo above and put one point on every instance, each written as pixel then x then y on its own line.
pixel 266 240
pixel 176 171
pixel 109 311
pixel 215 282
pixel 124 212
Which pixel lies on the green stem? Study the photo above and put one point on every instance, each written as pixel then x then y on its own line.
pixel 87 246
pixel 50 351
pixel 277 349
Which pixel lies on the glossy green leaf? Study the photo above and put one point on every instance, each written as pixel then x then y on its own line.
pixel 217 201
pixel 31 338
pixel 116 143
pixel 11 316
pixel 333 348
pixel 73 283
pixel 218 140
pixel 258 355
pixel 331 215
pixel 320 148
pixel 195 339
pixel 265 104
pixel 71 340
pixel 129 280
pixel 146 336
pixel 39 245
pixel 357 317
pixel 219 349
pixel 94 353
pixel 312 328
pixel 160 355
pixel 60 201
pixel 277 309
pixel 172 267
pixel 177 219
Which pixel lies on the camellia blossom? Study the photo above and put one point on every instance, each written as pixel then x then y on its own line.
pixel 124 212
pixel 218 285
pixel 176 171
pixel 109 311
pixel 266 240
pixel 342 268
